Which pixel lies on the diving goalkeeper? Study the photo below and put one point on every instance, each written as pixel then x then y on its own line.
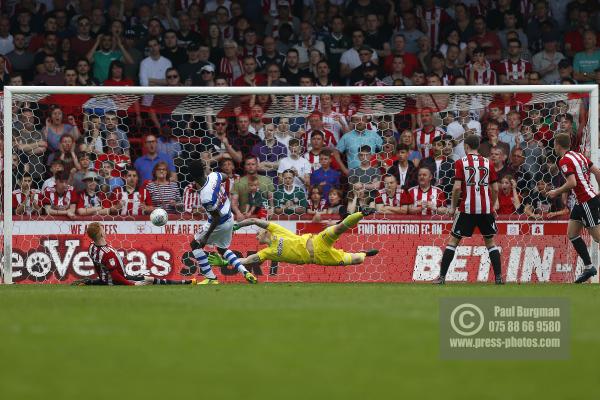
pixel 285 246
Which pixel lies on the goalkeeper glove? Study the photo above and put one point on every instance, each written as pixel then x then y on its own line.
pixel 236 227
pixel 216 260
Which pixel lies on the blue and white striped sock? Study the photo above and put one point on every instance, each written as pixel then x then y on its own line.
pixel 233 260
pixel 205 268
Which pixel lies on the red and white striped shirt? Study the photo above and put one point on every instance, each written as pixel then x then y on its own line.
pixel 401 198
pixel 307 103
pixel 476 174
pixel 229 182
pixel 132 201
pixel 514 71
pixel 346 111
pixel 108 264
pixel 334 126
pixel 434 195
pixel 191 198
pixel 60 201
pixel 486 77
pixel 226 68
pixel 322 206
pixel 579 165
pixel 424 139
pixel 434 19
pixel 329 138
pixel 35 199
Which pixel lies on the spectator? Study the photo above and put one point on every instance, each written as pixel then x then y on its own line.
pixel 539 127
pixel 108 177
pixel 498 159
pixel 385 159
pixel 479 70
pixel 391 199
pixel 77 177
pixel 512 134
pixel 291 71
pixel 115 154
pixel 288 197
pixel 51 75
pixel 533 150
pixel 269 152
pixel 359 198
pixel 588 60
pixel 29 143
pixel 537 205
pixel 334 202
pixel 397 72
pixel 427 199
pixel 514 69
pixel 496 114
pixel 410 32
pixel 315 124
pixel 66 153
pixel 83 73
pixel 50 49
pixel 540 23
pixel 282 18
pixel 227 167
pixel 427 133
pixel 55 167
pixel 92 201
pixel 190 69
pixel 171 49
pixel 111 126
pixel 365 173
pixel 517 166
pixel 325 177
pixel 336 43
pixel 306 43
pixel 21 59
pixel 231 65
pixel 274 75
pixel 116 75
pixel 249 76
pixel 546 61
pixel 164 192
pixel 26 200
pixel 145 164
pixel 441 164
pixel 350 58
pixel 403 170
pixel 107 49
pixel 55 128
pixel 295 162
pixel 256 201
pixel 508 201
pixel 369 76
pixel 492 130
pixel 82 42
pixel 241 190
pixel 269 55
pixel 407 138
pixel 462 126
pixel 242 140
pixel 283 133
pixel 154 67
pixel 215 145
pixel 352 141
pixel 487 40
pixel 62 199
pixel 317 205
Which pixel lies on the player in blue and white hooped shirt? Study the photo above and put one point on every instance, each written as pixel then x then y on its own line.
pixel 218 230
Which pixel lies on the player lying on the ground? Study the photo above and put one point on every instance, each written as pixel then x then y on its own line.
pixel 576 169
pixel 288 247
pixel 218 231
pixel 109 265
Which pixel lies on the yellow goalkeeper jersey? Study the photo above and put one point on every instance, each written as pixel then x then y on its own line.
pixel 285 246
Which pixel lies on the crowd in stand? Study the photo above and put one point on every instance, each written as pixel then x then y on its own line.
pixel 328 154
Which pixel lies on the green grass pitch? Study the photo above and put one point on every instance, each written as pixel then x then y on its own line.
pixel 270 341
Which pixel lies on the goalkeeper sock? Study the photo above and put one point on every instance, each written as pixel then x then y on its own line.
pixel 205 268
pixel 494 253
pixel 158 281
pixel 582 250
pixel 352 220
pixel 233 260
pixel 447 260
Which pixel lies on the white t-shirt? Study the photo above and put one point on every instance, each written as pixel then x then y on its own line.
pixel 301 166
pixel 155 69
pixel 457 131
pixel 350 57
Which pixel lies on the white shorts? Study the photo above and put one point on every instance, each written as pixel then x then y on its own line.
pixel 220 237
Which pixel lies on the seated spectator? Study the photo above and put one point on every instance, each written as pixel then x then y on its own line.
pixel 145 164
pixel 242 140
pixel 283 134
pixel 407 138
pixel 115 155
pixel 167 143
pixel 533 150
pixel 508 201
pixel 588 60
pixel 62 200
pixel 441 164
pixel 317 146
pixel 241 189
pixel 335 202
pixel 479 71
pixel 84 78
pixel 250 77
pixel 288 197
pixel 405 172
pixel 546 61
pixel 427 199
pixel 317 205
pixel 116 75
pixel 26 200
pixel 92 141
pixel 56 167
pixel 498 159
pixel 111 125
pixel 66 153
pixel 227 167
pixel 514 69
pixel 386 158
pixel 55 128
pixel 325 177
pixel 427 131
pixel 519 172
pixel 492 130
pixel 163 192
pixel 108 177
pixel 352 141
pixel 296 163
pixel 513 131
pixel 496 114
pixel 269 152
pixel 257 201
pixel 30 144
pixel 538 205
pixel 214 145
pixel 392 199
pixel 365 173
pixel 462 126
pixel 52 75
pixel 128 199
pixel 315 124
pixel 397 72
pixel 359 198
pixel 92 201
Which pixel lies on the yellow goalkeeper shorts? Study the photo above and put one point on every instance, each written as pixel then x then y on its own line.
pixel 325 253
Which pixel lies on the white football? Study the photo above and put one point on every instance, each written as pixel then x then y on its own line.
pixel 159 217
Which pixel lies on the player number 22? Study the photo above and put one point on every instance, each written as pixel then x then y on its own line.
pixel 483 174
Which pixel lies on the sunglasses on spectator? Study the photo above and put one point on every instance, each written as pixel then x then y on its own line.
pixel 150 141
pixel 172 76
pixel 220 123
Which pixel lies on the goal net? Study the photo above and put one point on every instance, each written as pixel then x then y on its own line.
pixel 303 158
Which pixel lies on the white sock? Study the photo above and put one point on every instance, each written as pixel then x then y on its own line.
pixel 233 260
pixel 205 267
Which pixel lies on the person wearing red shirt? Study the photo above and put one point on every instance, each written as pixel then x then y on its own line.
pixel 26 200
pixel 392 199
pixel 249 76
pixel 576 168
pixel 129 200
pixel 385 159
pixel 116 75
pixel 427 199
pixel 487 40
pixel 92 201
pixel 411 63
pixel 62 200
pixel 509 200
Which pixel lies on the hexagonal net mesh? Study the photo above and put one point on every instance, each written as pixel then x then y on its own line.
pixel 302 162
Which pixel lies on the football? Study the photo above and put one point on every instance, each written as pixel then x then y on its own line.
pixel 159 217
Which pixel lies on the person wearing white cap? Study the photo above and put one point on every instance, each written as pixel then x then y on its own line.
pixel 92 201
pixel 207 75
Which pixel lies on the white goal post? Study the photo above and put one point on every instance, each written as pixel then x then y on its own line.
pixel 10 92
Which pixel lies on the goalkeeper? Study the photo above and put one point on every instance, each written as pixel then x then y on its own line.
pixel 285 246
